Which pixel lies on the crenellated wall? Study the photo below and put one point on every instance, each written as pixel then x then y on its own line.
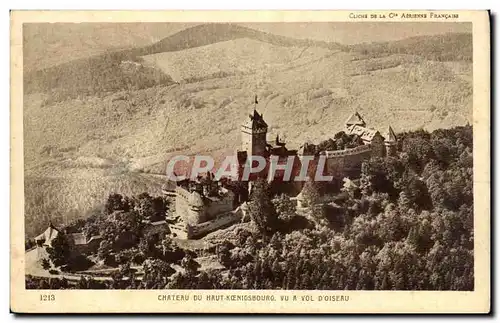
pixel 347 152
pixel 347 162
pixel 186 231
pixel 209 226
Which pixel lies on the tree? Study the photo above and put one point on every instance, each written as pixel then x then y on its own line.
pixel 116 202
pixel 204 281
pixel 285 208
pixel 261 208
pixel 376 177
pixel 156 273
pixel 170 251
pixel 150 208
pixel 147 246
pixel 190 265
pixel 45 264
pixel 310 194
pixel 59 251
pixel 181 281
pixel 125 270
pixel 144 206
pixel 417 194
pixel 312 199
pixel 89 283
pixel 122 229
pixel 104 250
pixel 223 251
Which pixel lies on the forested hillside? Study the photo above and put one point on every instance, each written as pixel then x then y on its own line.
pixel 442 48
pixel 122 70
pixel 407 225
pixel 95 76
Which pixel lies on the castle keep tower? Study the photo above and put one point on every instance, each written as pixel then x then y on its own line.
pixel 253 134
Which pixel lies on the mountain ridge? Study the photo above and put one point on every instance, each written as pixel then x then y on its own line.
pixel 101 74
pixel 444 47
pixel 223 32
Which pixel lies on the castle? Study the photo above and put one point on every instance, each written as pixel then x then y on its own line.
pixel 205 205
pixel 347 162
pixel 202 206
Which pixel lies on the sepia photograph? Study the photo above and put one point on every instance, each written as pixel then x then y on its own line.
pixel 250 156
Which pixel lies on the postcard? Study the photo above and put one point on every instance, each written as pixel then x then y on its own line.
pixel 250 162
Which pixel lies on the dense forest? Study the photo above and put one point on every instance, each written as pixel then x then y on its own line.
pixel 442 48
pixel 94 76
pixel 405 224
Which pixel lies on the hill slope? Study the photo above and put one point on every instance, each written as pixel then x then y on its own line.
pixel 232 57
pixel 105 73
pixel 307 101
pixel 97 144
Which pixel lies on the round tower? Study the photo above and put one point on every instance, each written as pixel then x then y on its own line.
pixel 196 212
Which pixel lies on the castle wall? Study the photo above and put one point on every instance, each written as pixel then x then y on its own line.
pixel 342 163
pixel 183 231
pixel 209 226
pixel 219 206
pixel 183 208
pixel 212 207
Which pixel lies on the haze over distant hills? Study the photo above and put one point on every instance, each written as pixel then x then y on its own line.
pixel 50 44
pixel 96 124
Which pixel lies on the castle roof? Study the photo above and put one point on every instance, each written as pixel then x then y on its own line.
pixel 48 235
pixel 355 119
pixel 390 136
pixel 255 121
pixel 79 238
pixel 366 134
